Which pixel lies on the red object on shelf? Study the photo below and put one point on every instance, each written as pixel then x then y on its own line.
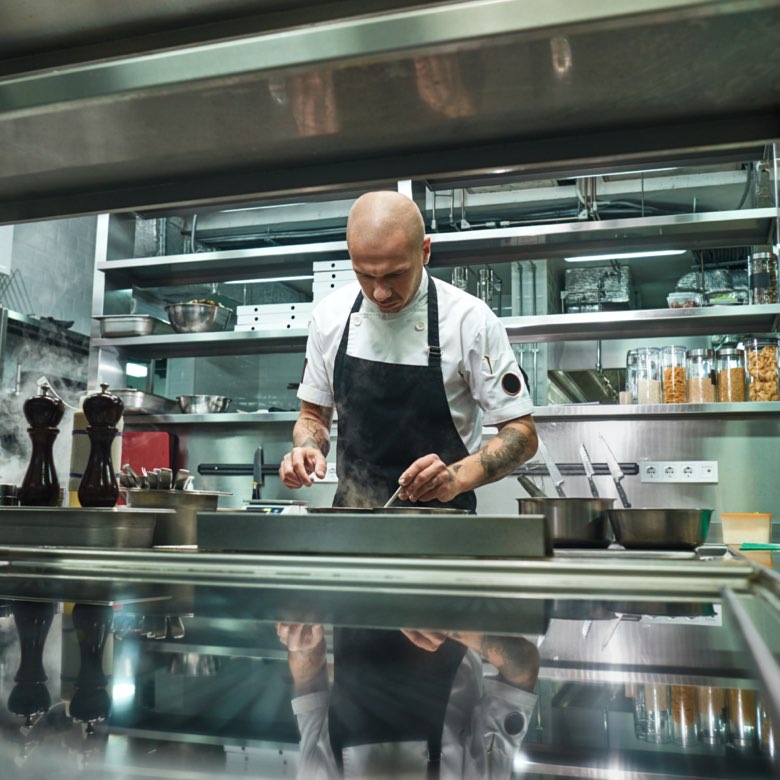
pixel 150 449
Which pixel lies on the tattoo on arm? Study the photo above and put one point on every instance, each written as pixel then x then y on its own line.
pixel 516 659
pixel 311 433
pixel 499 461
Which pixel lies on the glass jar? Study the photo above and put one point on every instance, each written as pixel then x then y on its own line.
pixel 683 714
pixel 711 715
pixel 631 375
pixel 700 373
pixel 731 375
pixel 762 277
pixel 742 707
pixel 673 366
pixel 656 705
pixel 762 373
pixel 648 375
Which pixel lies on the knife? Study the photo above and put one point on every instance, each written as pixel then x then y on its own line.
pixel 589 472
pixel 552 469
pixel 617 474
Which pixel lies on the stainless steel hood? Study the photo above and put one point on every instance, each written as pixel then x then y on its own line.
pixel 165 113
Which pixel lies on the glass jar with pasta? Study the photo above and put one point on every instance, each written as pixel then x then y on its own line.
pixel 762 368
pixel 700 371
pixel 731 375
pixel 673 374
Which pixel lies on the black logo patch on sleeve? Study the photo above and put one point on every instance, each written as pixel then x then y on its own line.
pixel 511 384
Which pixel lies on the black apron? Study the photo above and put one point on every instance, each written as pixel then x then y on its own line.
pixel 388 416
pixel 385 689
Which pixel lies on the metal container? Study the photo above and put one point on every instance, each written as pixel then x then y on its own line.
pixel 79 526
pixel 122 325
pixel 198 316
pixel 138 402
pixel 180 528
pixel 660 528
pixel 573 522
pixel 418 510
pixel 203 404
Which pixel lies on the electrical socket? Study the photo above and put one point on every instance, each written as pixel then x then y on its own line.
pixel 694 471
pixel 330 474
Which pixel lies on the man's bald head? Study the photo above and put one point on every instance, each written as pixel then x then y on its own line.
pixel 382 216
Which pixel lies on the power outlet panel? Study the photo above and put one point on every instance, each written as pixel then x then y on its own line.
pixel 330 474
pixel 694 471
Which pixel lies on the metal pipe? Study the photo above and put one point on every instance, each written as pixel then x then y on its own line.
pixel 764 662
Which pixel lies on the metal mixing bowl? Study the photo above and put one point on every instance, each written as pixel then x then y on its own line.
pixel 660 528
pixel 198 317
pixel 203 404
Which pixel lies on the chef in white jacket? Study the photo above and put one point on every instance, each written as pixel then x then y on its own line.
pixel 384 719
pixel 415 368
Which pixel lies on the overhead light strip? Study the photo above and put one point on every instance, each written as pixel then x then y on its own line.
pixel 272 279
pixel 625 255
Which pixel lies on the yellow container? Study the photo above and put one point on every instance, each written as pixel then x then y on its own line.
pixel 739 527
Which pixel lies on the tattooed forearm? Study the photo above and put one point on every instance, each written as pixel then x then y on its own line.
pixel 516 659
pixel 311 433
pixel 510 447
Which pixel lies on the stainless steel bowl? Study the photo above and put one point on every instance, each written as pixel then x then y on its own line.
pixel 573 522
pixel 138 402
pixel 203 404
pixel 198 317
pixel 672 529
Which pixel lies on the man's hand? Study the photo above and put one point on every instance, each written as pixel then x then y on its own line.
pixel 305 644
pixel 430 479
pixel 425 640
pixel 299 464
pixel 311 443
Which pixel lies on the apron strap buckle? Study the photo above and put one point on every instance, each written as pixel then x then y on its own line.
pixel 434 355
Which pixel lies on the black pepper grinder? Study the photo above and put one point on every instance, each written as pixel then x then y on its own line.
pixel 98 486
pixel 30 696
pixel 40 486
pixel 91 702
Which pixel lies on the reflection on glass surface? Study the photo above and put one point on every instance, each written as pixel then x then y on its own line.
pixel 200 688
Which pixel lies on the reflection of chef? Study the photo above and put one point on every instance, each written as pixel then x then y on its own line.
pixel 440 85
pixel 410 703
pixel 313 103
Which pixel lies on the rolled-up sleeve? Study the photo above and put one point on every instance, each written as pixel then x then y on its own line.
pixel 316 760
pixel 316 382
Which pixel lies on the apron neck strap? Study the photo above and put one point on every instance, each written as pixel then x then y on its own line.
pixel 434 348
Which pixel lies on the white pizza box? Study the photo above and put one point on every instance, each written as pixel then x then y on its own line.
pixel 268 308
pixel 334 276
pixel 298 325
pixel 332 265
pixel 322 289
pixel 249 319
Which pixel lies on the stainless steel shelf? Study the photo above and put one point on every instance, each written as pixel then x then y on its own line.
pixel 197 344
pixel 644 323
pixel 686 231
pixel 227 265
pixel 243 419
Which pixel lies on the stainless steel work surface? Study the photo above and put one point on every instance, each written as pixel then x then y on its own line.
pixel 259 111
pixel 448 536
pixel 78 526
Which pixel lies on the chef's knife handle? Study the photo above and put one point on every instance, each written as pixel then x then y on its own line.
pixel 593 491
pixel 622 494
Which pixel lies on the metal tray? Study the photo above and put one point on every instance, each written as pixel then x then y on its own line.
pixel 119 325
pixel 78 526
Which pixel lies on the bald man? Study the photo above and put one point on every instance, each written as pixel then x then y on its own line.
pixel 414 367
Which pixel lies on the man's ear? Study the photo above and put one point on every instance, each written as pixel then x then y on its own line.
pixel 426 247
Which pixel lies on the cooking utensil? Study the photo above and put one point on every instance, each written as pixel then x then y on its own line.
pixel 660 528
pixel 394 496
pixel 552 469
pixel 617 474
pixel 530 487
pixel 419 510
pixel 589 472
pixel 165 479
pixel 573 522
pixel 203 404
pixel 137 402
pixel 182 475
pixel 133 479
pixel 198 316
pixel 123 325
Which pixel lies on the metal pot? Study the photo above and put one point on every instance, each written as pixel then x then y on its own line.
pixel 573 522
pixel 203 404
pixel 658 529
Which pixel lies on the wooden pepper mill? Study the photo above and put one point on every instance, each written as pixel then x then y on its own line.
pixel 99 486
pixel 40 486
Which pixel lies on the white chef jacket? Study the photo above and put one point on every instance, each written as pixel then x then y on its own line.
pixel 479 368
pixel 479 739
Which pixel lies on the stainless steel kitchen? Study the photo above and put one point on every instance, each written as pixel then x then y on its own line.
pixel 389 389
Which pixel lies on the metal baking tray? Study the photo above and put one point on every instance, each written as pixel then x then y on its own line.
pixel 78 526
pixel 119 325
pixel 461 536
pixel 138 402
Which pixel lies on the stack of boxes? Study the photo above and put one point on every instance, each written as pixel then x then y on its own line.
pixel 329 275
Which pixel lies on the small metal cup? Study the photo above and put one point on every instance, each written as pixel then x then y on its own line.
pixel 9 494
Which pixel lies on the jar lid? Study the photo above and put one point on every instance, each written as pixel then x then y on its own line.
pixel 705 353
pixel 730 352
pixel 763 256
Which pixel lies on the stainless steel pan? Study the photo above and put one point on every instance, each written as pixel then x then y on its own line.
pixel 659 529
pixel 573 522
